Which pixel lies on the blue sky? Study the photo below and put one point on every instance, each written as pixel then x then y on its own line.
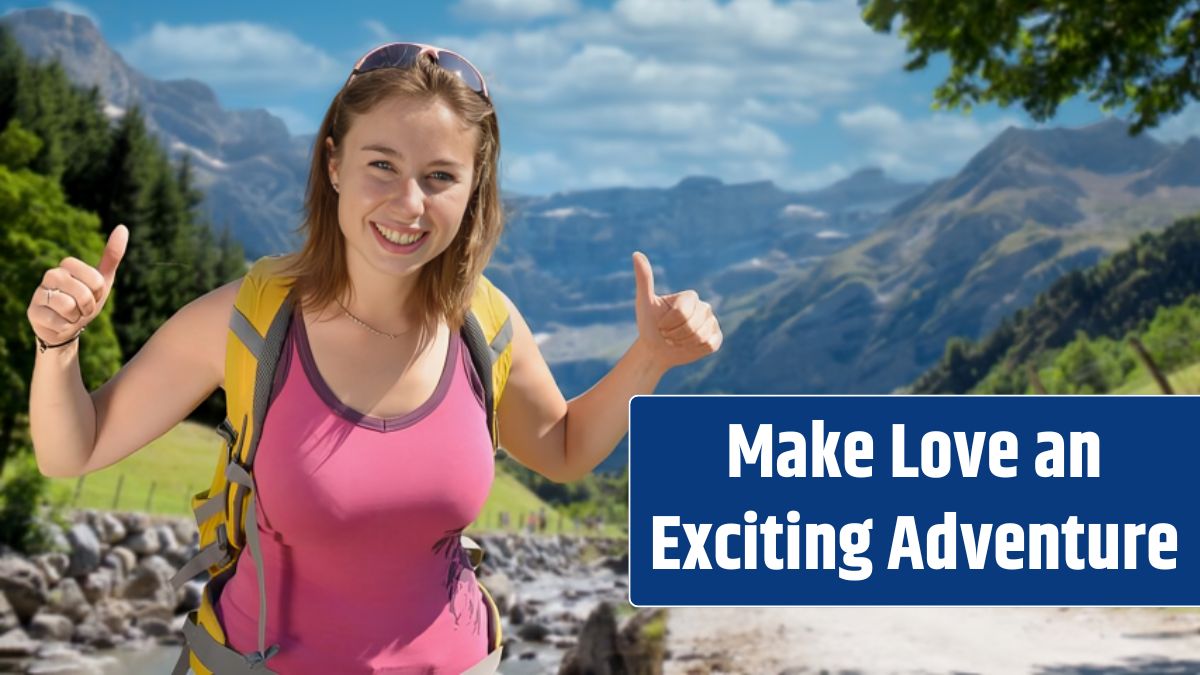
pixel 597 94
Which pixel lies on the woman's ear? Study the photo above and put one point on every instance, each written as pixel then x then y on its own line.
pixel 331 164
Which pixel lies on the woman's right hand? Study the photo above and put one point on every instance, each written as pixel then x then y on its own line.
pixel 78 292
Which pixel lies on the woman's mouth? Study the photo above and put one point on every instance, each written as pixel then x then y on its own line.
pixel 398 242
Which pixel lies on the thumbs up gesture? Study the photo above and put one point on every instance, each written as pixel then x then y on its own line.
pixel 72 294
pixel 678 328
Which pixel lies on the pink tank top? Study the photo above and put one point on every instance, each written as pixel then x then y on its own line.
pixel 360 520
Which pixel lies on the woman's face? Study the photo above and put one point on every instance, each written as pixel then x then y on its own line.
pixel 406 167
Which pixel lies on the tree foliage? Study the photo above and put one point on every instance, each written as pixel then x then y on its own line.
pixel 1144 54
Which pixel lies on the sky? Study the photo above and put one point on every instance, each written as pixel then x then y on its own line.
pixel 592 94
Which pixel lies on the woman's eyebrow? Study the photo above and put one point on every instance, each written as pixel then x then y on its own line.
pixel 390 152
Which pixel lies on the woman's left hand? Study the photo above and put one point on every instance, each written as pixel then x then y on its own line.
pixel 676 329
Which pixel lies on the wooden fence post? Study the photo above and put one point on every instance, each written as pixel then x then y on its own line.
pixel 1148 361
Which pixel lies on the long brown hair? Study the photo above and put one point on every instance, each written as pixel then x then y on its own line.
pixel 444 285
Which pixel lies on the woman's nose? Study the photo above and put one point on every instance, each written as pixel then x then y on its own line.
pixel 409 199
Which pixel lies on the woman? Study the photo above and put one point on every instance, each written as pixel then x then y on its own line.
pixel 367 434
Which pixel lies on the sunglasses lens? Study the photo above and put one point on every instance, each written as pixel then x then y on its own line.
pixel 458 65
pixel 392 56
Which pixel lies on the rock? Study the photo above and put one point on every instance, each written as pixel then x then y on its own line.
pixel 47 626
pixel 533 632
pixel 126 558
pixel 110 529
pixel 185 532
pixel 642 641
pixel 151 580
pixel 114 614
pixel 68 599
pixel 501 589
pixel 166 538
pixel 136 522
pixel 144 543
pixel 146 609
pixel 94 633
pixel 8 617
pixel 516 615
pixel 85 550
pixel 17 643
pixel 98 585
pixel 596 650
pixel 191 597
pixel 155 628
pixel 23 584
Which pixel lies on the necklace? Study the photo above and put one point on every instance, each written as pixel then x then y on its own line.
pixel 362 323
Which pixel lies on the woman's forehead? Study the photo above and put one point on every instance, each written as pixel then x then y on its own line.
pixel 405 124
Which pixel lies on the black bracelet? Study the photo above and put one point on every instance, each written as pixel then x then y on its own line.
pixel 42 346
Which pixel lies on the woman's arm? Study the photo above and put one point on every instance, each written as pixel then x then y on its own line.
pixel 565 440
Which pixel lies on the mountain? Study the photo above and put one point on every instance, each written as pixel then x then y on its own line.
pixel 954 259
pixel 250 168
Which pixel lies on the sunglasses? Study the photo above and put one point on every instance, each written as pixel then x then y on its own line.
pixel 405 55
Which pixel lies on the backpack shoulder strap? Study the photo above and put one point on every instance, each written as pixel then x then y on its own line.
pixel 488 334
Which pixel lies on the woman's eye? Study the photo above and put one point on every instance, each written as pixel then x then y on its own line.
pixel 385 164
pixel 442 175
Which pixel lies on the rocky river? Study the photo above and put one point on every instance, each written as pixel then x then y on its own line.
pixel 103 604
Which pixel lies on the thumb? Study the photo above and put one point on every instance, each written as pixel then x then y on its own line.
pixel 113 252
pixel 644 275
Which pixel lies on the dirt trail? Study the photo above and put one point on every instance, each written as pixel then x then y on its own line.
pixel 873 640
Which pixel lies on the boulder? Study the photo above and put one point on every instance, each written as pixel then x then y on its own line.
pixel 67 599
pixel 8 617
pixel 98 585
pixel 151 580
pixel 85 550
pixel 16 643
pixel 110 528
pixel 48 626
pixel 147 542
pixel 23 584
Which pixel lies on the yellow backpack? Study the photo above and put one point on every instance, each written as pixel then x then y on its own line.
pixel 225 512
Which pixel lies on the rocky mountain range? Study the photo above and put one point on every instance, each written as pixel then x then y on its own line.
pixel 955 259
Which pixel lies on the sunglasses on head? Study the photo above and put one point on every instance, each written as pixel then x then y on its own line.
pixel 405 55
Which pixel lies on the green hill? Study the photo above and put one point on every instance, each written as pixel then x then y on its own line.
pixel 1112 299
pixel 182 462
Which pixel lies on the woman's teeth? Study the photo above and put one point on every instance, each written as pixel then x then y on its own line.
pixel 396 237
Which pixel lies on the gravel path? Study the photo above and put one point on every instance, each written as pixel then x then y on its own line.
pixel 874 640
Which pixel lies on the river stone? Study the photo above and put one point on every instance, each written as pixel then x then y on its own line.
pixel 114 614
pixel 135 522
pixel 501 589
pixel 67 598
pixel 110 528
pixel 128 558
pixel 533 632
pixel 144 543
pixel 17 643
pixel 94 634
pixel 47 626
pixel 516 615
pixel 155 628
pixel 98 585
pixel 85 550
pixel 596 652
pixel 167 539
pixel 151 580
pixel 190 599
pixel 148 609
pixel 8 617
pixel 23 584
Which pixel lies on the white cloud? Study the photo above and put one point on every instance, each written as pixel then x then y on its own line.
pixel 1181 126
pixel 644 90
pixel 922 148
pixel 531 171
pixel 514 10
pixel 379 31
pixel 236 53
pixel 75 8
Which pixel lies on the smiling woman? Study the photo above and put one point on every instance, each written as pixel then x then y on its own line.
pixel 369 379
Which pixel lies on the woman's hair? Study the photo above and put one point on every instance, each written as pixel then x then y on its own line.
pixel 445 284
